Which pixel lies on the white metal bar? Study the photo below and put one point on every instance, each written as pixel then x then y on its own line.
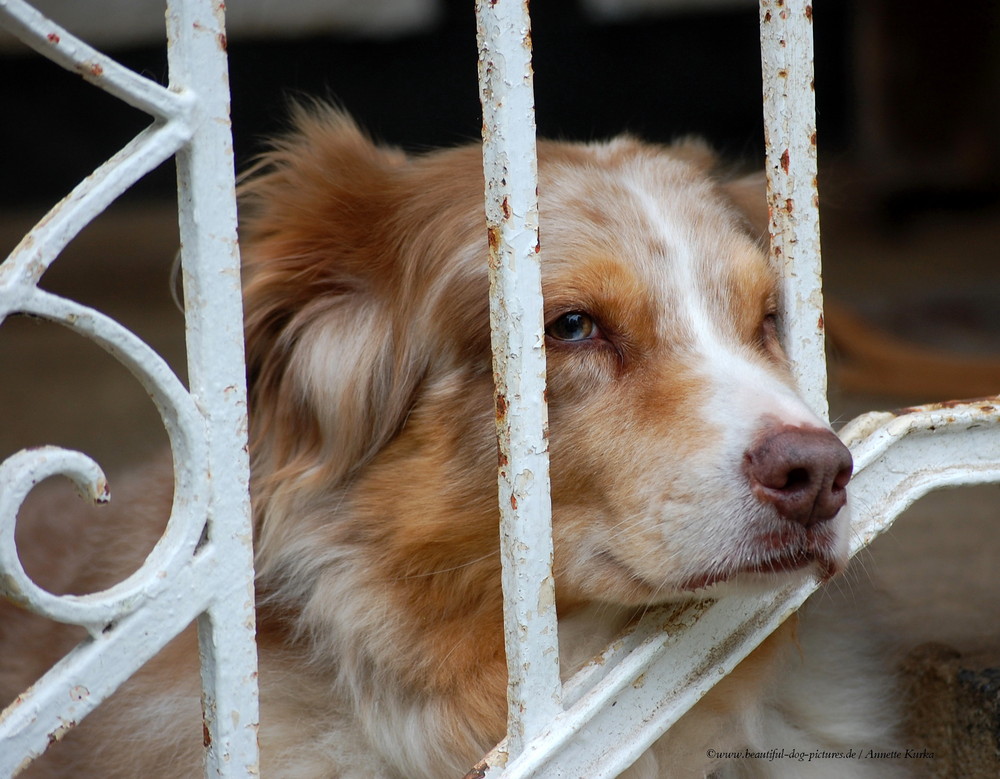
pixel 40 247
pixel 519 367
pixel 670 659
pixel 201 568
pixel 790 138
pixel 65 49
pixel 900 457
pixel 213 295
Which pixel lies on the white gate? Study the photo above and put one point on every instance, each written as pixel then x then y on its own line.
pixel 201 569
pixel 572 730
pixel 554 729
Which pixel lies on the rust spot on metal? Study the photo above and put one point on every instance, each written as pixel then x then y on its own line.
pixel 987 405
pixel 493 235
pixel 783 73
pixel 96 69
pixel 809 12
pixel 501 406
pixel 478 771
pixel 784 160
pixel 812 141
pixel 102 492
pixel 79 693
pixel 53 38
pixel 62 730
pixel 821 322
pixel 223 43
pixel 206 737
pixel 513 502
pixel 505 207
pixel 767 16
pixel 789 205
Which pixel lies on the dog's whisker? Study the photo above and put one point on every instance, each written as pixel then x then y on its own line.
pixel 460 566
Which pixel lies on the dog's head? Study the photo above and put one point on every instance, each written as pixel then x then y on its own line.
pixel 681 454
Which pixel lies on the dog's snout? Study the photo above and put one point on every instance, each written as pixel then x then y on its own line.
pixel 801 471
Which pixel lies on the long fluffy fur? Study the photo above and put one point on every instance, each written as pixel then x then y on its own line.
pixel 373 458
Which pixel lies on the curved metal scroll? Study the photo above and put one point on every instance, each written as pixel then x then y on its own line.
pixel 201 568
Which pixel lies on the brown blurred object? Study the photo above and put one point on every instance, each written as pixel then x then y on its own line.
pixel 867 358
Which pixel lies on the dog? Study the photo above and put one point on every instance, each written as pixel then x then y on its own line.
pixel 683 464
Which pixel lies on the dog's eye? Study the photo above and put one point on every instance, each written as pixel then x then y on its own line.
pixel 573 326
pixel 767 335
pixel 769 328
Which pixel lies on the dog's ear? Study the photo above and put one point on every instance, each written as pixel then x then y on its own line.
pixel 749 195
pixel 330 378
pixel 696 151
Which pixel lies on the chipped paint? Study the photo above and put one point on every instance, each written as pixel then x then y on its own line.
pixel 790 126
pixel 519 366
pixel 131 621
pixel 79 693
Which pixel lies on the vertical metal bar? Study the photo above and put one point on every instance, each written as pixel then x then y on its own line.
pixel 790 136
pixel 506 87
pixel 207 219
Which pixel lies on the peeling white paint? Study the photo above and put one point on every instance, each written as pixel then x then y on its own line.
pixel 519 366
pixel 181 579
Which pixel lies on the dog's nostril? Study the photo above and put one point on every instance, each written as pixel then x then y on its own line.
pixel 802 471
pixel 797 477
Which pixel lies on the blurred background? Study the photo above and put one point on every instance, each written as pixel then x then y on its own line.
pixel 909 139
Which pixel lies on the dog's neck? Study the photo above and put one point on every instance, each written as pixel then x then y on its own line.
pixel 411 629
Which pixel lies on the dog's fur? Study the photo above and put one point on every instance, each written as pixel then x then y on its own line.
pixel 374 469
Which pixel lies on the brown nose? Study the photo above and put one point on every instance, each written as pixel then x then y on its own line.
pixel 802 471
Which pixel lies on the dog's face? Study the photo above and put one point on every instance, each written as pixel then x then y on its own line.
pixel 681 455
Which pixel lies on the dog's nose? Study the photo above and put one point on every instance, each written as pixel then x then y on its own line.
pixel 802 471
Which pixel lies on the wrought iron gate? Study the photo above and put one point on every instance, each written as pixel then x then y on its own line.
pixel 202 568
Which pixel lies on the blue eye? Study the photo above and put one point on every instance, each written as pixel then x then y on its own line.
pixel 573 326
